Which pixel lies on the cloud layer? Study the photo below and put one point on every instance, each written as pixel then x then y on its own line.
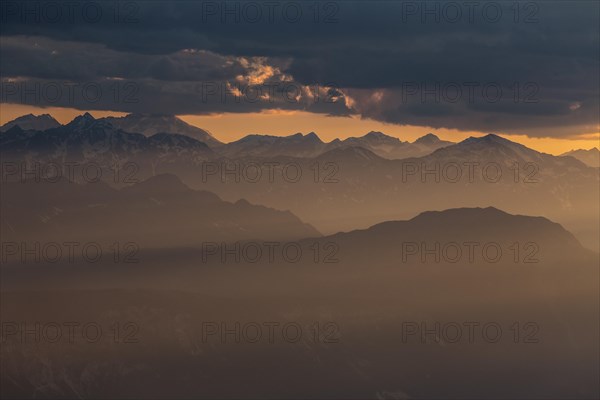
pixel 527 68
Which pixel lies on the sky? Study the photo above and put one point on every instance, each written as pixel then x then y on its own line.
pixel 529 71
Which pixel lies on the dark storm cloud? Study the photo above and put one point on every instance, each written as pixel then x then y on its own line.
pixel 52 59
pixel 543 55
pixel 45 72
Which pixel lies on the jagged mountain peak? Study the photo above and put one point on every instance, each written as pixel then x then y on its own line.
pixel 490 138
pixel 490 148
pixel 87 121
pixel 87 117
pixel 40 122
pixel 151 124
pixel 376 136
pixel 312 136
pixel 492 141
pixel 430 138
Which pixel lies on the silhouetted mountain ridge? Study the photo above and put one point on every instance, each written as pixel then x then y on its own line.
pixel 310 145
pixel 150 124
pixel 32 122
pixel 589 157
pixel 158 212
pixel 87 139
pixel 521 239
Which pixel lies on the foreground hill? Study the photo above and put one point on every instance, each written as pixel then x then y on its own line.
pixel 463 236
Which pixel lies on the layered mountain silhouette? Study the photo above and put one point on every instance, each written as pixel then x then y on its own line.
pixel 296 145
pixel 32 122
pixel 159 212
pixel 496 149
pixel 365 188
pixel 151 124
pixel 589 157
pixel 344 185
pixel 390 147
pixel 310 145
pixel 86 139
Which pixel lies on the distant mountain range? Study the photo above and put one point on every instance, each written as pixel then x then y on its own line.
pixel 589 157
pixel 496 149
pixel 86 139
pixel 343 185
pixel 145 124
pixel 310 145
pixel 160 212
pixel 297 145
pixel 485 171
pixel 149 125
pixel 32 122
pixel 163 213
pixel 392 148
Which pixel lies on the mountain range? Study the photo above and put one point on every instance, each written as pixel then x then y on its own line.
pixel 163 213
pixel 296 145
pixel 310 145
pixel 160 212
pixel 86 139
pixel 343 185
pixel 589 157
pixel 32 122
pixel 357 188
pixel 149 125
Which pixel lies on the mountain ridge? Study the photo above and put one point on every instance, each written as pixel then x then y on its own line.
pixel 590 157
pixel 26 122
pixel 150 124
pixel 538 239
pixel 158 212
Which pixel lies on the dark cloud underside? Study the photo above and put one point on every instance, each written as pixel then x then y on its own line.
pixel 531 69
